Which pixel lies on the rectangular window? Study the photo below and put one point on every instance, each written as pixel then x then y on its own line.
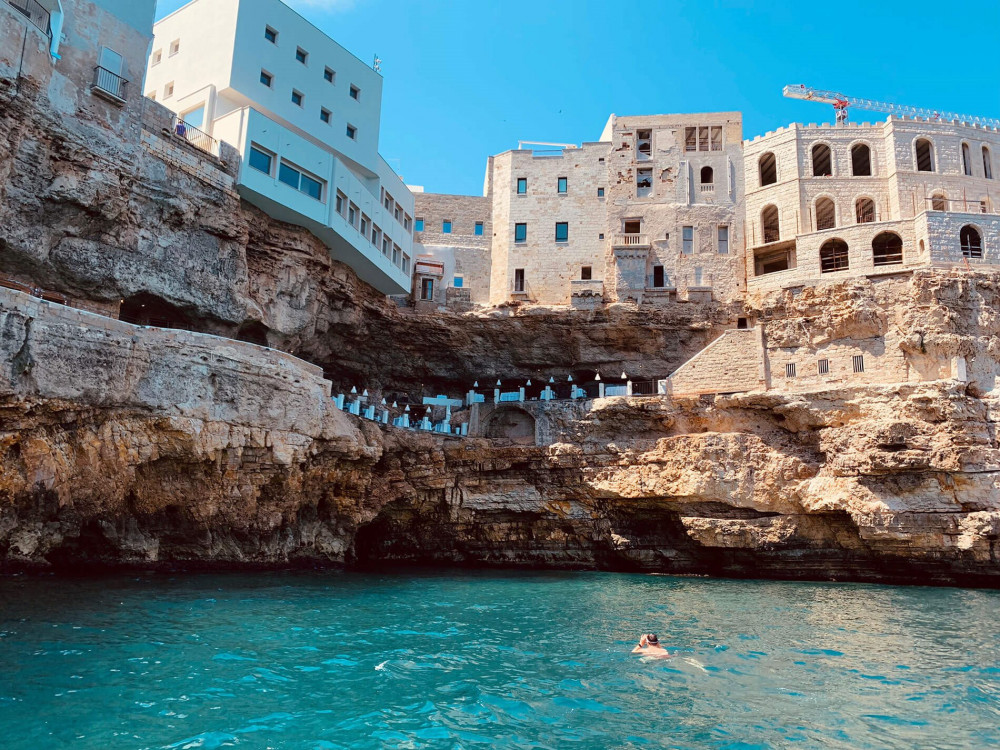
pixel 301 55
pixel 396 213
pixel 687 235
pixel 790 370
pixel 406 264
pixel 270 35
pixel 341 203
pixel 355 92
pixel 458 282
pixel 522 185
pixel 427 289
pixel 520 233
pixel 632 226
pixel 723 240
pixel 296 178
pixel 690 139
pixel 697 275
pixel 329 75
pixel 352 214
pixel 260 160
pixel 406 222
pixel 479 229
pixel 168 90
pixel 352 132
pixel 324 115
pixel 823 366
pixel 600 192
pixel 858 361
pixel 386 246
pixel 644 144
pixel 420 224
pixel 519 280
pixel 446 226
pixel 375 234
pixel 585 273
pixel 396 253
pixel 157 57
pixel 365 221
pixel 175 47
pixel 297 98
pixel 643 183
pixel 716 138
pixel 658 277
pixel 562 231
pixel 561 185
pixel 266 78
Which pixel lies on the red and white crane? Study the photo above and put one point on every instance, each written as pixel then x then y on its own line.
pixel 841 103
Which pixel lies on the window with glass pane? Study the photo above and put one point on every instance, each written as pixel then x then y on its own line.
pixel 687 235
pixel 522 185
pixel 561 184
pixel 420 225
pixel 562 231
pixel 479 228
pixel 260 161
pixel 446 226
pixel 288 175
pixel 520 233
pixel 723 240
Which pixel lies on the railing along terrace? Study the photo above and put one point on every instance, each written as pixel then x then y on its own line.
pixel 958 205
pixel 195 136
pixel 110 83
pixel 34 12
pixel 631 240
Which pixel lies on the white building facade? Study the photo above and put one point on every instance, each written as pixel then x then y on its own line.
pixel 304 114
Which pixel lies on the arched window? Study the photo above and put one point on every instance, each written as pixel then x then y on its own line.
pixel 768 169
pixel 769 223
pixel 861 160
pixel 925 155
pixel 922 246
pixel 887 249
pixel 987 164
pixel 826 214
pixel 864 211
pixel 833 256
pixel 966 160
pixel 972 242
pixel 939 202
pixel 707 176
pixel 822 161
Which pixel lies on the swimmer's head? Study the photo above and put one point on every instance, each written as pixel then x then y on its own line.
pixel 652 639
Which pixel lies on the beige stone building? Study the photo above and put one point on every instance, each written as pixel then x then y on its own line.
pixel 829 202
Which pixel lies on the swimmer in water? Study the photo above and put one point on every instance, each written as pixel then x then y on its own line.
pixel 649 645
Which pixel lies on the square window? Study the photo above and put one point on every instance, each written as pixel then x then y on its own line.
pixel 643 183
pixel 270 35
pixel 520 233
pixel 600 192
pixel 352 132
pixel 585 273
pixel 790 370
pixel 446 226
pixel 562 231
pixel 479 229
pixel 288 175
pixel 522 185
pixel 324 115
pixel 266 78
pixel 175 47
pixel 458 282
pixel 157 57
pixel 562 185
pixel 297 98
pixel 260 160
pixel 420 225
pixel 600 236
pixel 328 75
pixel 355 92
pixel 301 55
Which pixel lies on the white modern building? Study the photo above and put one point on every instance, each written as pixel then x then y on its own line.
pixel 303 112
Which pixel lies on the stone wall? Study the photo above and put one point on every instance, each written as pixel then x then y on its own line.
pixel 733 363
pixel 462 251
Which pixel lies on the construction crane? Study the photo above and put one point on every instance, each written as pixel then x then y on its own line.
pixel 841 103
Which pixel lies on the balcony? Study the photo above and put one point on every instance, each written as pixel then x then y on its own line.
pixel 707 188
pixel 195 136
pixel 34 12
pixel 630 240
pixel 109 85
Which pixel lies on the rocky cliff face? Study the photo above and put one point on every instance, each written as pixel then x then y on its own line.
pixel 138 447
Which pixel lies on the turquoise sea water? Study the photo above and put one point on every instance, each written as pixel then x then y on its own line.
pixel 475 660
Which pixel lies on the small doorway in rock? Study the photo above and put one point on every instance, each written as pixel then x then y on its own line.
pixel 742 324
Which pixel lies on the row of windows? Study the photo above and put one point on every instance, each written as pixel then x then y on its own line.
pixel 174 48
pixel 299 100
pixel 823 366
pixel 371 232
pixel 861 161
pixel 263 161
pixel 887 249
pixel 521 231
pixel 395 209
pixel 301 56
pixel 447 226
pixel 562 186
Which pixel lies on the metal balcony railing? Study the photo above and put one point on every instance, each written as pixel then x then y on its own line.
pixel 34 12
pixel 110 83
pixel 630 240
pixel 195 136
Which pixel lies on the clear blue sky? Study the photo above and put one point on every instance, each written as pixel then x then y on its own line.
pixel 468 78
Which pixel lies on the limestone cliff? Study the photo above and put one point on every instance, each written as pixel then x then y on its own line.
pixel 127 445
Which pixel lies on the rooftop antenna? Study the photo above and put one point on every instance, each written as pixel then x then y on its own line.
pixel 377 63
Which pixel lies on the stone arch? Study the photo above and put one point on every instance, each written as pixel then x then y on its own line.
pixel 864 209
pixel 707 176
pixel 861 159
pixel 150 310
pixel 971 239
pixel 769 224
pixel 987 162
pixel 768 169
pixel 510 423
pixel 825 211
pixel 253 332
pixel 887 249
pixel 939 200
pixel 923 155
pixel 822 159
pixel 966 159
pixel 833 256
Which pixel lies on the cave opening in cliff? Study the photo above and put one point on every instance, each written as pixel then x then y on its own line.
pixel 253 332
pixel 149 310
pixel 512 424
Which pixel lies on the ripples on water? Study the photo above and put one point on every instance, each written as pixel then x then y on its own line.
pixel 492 659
